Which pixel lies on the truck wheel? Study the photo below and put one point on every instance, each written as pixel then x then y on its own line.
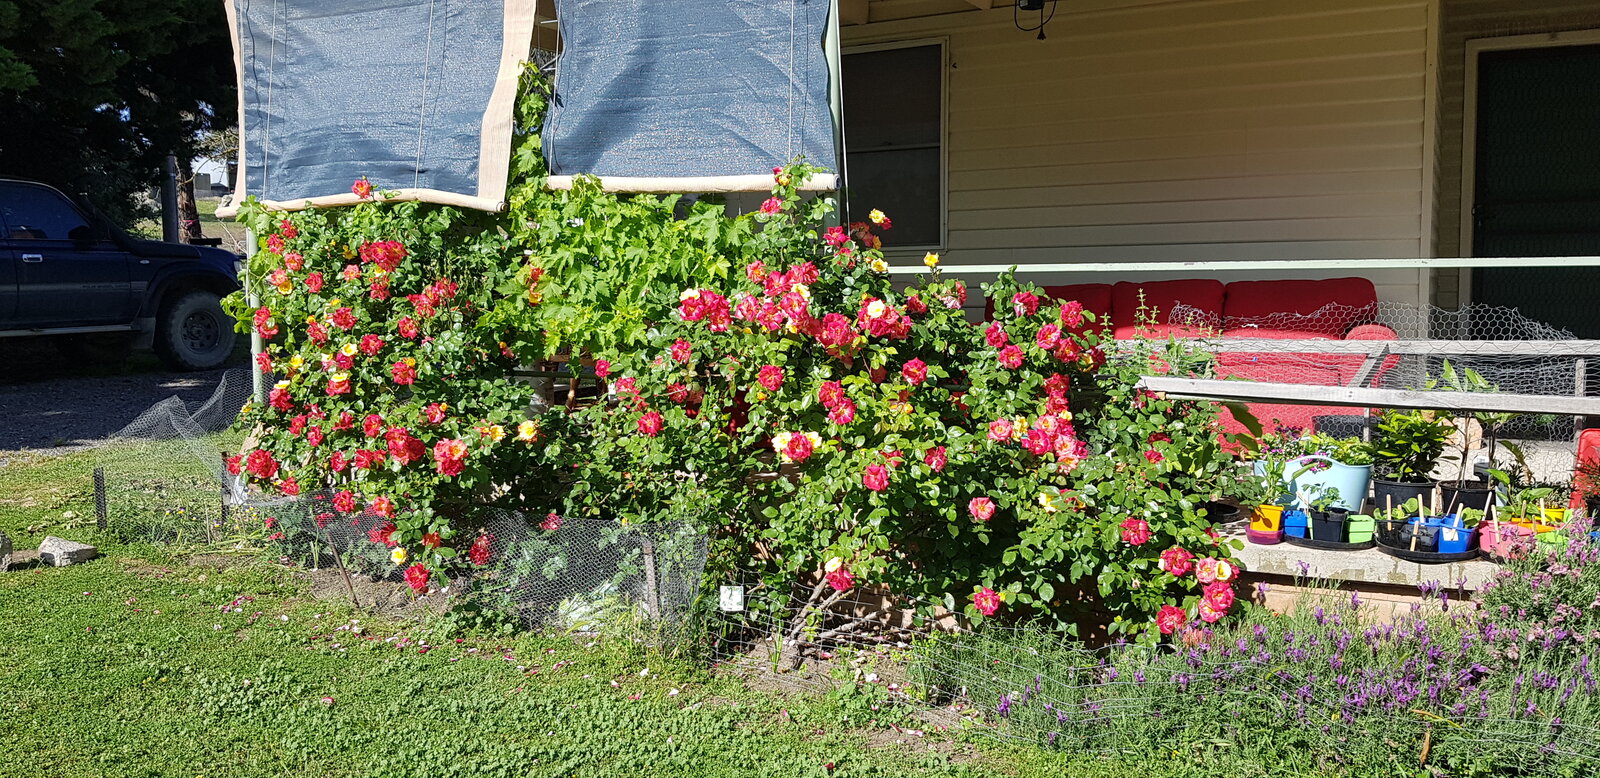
pixel 193 333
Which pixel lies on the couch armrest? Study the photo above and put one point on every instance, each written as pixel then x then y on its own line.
pixel 1371 332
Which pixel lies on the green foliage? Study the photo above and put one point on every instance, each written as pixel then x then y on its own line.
pixel 1409 444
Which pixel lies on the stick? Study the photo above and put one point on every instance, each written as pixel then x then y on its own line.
pixel 348 586
pixel 1388 514
pixel 1417 529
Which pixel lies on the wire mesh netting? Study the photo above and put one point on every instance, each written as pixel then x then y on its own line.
pixel 162 478
pixel 1407 347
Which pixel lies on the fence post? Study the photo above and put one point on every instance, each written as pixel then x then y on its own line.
pixel 100 498
pixel 652 595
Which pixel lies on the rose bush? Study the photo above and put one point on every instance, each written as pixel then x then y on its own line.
pixel 820 413
pixel 766 379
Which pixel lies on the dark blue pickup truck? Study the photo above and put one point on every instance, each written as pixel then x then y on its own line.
pixel 70 275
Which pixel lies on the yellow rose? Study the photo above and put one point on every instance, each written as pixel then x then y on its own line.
pixel 527 430
pixel 296 362
pixel 496 432
pixel 398 555
pixel 348 349
pixel 877 216
pixel 930 259
pixel 879 266
pixel 833 564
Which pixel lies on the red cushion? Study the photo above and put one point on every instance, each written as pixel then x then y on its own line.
pixel 1200 296
pixel 1294 308
pixel 1096 299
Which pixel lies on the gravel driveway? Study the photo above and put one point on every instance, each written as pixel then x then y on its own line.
pixel 47 402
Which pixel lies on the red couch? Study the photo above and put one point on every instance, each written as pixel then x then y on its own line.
pixel 1331 309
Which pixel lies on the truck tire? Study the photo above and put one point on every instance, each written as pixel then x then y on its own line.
pixel 193 332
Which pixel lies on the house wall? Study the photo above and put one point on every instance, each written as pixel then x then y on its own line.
pixel 1185 130
pixel 1461 21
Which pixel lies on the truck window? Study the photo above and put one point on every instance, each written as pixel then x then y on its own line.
pixel 36 213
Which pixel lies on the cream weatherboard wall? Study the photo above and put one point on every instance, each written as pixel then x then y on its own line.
pixel 1461 21
pixel 1184 130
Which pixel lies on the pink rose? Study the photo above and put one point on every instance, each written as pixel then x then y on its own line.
pixel 936 458
pixel 650 424
pixel 915 372
pixel 1176 561
pixel 1135 531
pixel 981 508
pixel 1001 430
pixel 875 477
pixel 986 601
pixel 1011 357
pixel 770 377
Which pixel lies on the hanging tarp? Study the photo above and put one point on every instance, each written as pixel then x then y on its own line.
pixel 416 96
pixel 690 95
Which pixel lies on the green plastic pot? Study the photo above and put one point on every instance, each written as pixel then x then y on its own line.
pixel 1359 529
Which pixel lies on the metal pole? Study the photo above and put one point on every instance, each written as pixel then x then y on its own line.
pixel 258 380
pixel 169 201
pixel 830 49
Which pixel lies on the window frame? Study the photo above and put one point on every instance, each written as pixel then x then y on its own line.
pixel 944 136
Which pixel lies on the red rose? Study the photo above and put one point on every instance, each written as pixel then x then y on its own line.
pixel 1025 303
pixel 449 456
pixel 650 424
pixel 602 368
pixel 343 318
pixel 840 580
pixel 407 327
pixel 278 398
pixel 384 507
pixel 1011 357
pixel 551 523
pixel 362 188
pixel 843 413
pixel 478 554
pixel 986 601
pixel 681 350
pixel 345 501
pixel 289 486
pixel 1170 619
pixel 936 458
pixel 372 425
pixel 798 447
pixel 1176 561
pixel 417 577
pixel 431 540
pixel 338 462
pixel 235 464
pixel 434 413
pixel 314 436
pixel 404 372
pixel 260 464
pixel 996 336
pixel 830 394
pixel 1072 314
pixel 382 534
pixel 314 283
pixel 771 377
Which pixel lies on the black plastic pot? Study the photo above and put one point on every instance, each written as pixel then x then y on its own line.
pixel 1427 538
pixel 1388 532
pixel 1465 494
pixel 1328 525
pixel 1399 492
pixel 1220 512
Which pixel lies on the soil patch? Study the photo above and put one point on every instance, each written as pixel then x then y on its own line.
pixel 385 597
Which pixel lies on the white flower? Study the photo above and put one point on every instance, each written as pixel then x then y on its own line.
pixel 876 309
pixel 833 564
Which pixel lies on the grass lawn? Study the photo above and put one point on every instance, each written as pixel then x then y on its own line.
pixel 147 663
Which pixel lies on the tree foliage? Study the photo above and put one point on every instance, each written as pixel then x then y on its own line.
pixel 96 93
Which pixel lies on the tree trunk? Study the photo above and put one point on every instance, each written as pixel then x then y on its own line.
pixel 188 211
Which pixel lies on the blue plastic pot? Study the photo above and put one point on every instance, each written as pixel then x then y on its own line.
pixel 1295 522
pixel 1352 481
pixel 1453 536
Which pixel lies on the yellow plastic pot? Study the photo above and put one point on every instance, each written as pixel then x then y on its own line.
pixel 1267 518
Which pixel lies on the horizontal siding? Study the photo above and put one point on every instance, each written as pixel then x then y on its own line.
pixel 1187 130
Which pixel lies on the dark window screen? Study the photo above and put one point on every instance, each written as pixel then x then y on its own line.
pixel 34 213
pixel 893 128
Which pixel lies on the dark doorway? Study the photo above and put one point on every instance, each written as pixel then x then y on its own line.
pixel 1537 181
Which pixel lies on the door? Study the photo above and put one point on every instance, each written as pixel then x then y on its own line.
pixel 1537 181
pixel 67 273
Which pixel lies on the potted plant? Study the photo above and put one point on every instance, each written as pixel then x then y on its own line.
pixel 1408 447
pixel 1342 465
pixel 1328 515
pixel 1260 491
pixel 1463 491
pixel 1391 519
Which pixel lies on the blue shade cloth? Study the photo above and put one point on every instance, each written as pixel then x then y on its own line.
pixel 690 88
pixel 395 91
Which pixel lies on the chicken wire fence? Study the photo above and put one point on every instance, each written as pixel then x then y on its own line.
pixel 1401 346
pixel 163 478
